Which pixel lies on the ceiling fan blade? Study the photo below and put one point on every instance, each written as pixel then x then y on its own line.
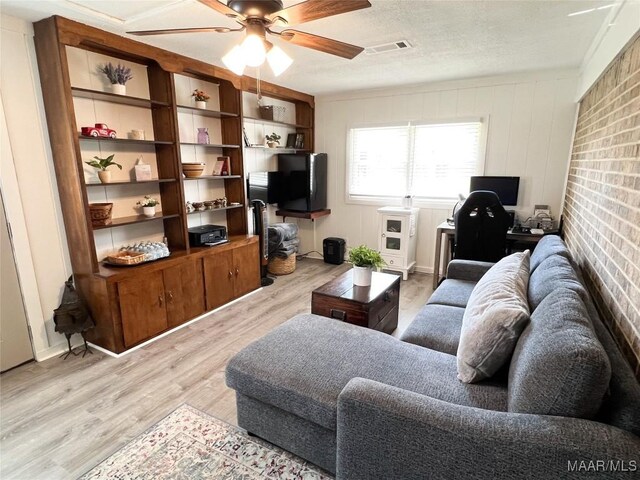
pixel 186 30
pixel 322 44
pixel 222 8
pixel 314 9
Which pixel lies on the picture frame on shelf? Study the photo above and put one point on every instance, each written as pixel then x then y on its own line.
pixel 217 168
pixel 291 140
pixel 299 140
pixel 226 165
pixel 246 137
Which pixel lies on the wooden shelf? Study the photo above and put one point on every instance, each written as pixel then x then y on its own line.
pixel 157 180
pixel 115 98
pixel 206 113
pixel 230 207
pixel 119 222
pixel 279 148
pixel 273 122
pixel 129 141
pixel 308 215
pixel 212 177
pixel 210 145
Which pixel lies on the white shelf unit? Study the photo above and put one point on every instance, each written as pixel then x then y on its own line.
pixel 398 230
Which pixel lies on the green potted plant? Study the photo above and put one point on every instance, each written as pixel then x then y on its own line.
pixel 364 260
pixel 148 205
pixel 118 76
pixel 273 139
pixel 102 164
pixel 201 97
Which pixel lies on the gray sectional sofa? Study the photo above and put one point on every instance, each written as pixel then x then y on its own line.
pixel 365 405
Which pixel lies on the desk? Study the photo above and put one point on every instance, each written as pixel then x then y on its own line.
pixel 446 231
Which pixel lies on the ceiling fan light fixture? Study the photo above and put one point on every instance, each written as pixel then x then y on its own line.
pixel 234 60
pixel 278 60
pixel 253 50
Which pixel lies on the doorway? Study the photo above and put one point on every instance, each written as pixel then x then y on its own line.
pixel 15 342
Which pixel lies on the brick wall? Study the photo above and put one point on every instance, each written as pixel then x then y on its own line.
pixel 602 204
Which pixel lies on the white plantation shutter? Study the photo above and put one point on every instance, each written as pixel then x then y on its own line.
pixel 444 157
pixel 427 160
pixel 379 161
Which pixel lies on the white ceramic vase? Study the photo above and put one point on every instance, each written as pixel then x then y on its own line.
pixel 272 144
pixel 149 211
pixel 119 89
pixel 362 276
pixel 104 176
pixel 201 104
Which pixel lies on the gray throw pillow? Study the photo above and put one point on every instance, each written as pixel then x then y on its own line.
pixel 496 314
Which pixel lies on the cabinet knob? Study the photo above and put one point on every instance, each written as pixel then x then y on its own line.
pixel 170 295
pixel 237 271
pixel 230 274
pixel 383 235
pixel 160 299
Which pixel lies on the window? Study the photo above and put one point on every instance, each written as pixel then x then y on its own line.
pixel 431 161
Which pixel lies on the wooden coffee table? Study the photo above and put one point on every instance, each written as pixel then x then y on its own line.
pixel 373 307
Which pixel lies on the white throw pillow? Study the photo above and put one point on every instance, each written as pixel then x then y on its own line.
pixel 495 316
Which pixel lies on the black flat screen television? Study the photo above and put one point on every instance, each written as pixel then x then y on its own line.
pixel 505 187
pixel 304 181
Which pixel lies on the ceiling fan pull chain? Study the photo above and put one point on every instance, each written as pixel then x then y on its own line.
pixel 258 86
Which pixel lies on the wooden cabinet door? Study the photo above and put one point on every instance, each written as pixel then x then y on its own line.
pixel 246 269
pixel 184 292
pixel 218 278
pixel 142 307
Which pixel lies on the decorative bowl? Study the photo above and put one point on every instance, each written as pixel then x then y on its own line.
pixel 192 170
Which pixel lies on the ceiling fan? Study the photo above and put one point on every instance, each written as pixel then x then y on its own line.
pixel 258 17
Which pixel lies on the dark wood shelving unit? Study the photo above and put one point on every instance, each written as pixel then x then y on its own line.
pixel 206 113
pixel 115 98
pixel 127 141
pixel 273 122
pixel 210 145
pixel 212 177
pixel 145 182
pixel 122 221
pixel 308 215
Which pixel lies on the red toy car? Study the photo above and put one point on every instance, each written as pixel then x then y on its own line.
pixel 99 130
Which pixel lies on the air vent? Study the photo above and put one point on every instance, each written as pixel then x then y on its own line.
pixel 387 47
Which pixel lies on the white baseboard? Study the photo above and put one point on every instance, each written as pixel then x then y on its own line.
pixel 57 350
pixel 421 269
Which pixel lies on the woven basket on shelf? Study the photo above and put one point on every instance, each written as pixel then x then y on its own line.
pixel 272 112
pixel 100 213
pixel 282 266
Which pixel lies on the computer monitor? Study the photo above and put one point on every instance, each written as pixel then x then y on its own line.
pixel 505 187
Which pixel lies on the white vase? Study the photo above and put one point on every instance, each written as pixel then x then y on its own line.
pixel 362 276
pixel 201 104
pixel 272 144
pixel 104 176
pixel 149 211
pixel 119 89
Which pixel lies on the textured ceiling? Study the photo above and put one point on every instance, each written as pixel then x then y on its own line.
pixel 451 39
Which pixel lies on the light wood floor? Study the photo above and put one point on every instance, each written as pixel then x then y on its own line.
pixel 60 418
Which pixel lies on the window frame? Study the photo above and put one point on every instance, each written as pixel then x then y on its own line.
pixel 422 202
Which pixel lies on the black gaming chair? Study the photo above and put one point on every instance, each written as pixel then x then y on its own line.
pixel 481 228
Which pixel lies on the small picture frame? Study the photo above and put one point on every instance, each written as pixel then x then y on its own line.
pixel 246 137
pixel 291 140
pixel 226 165
pixel 299 140
pixel 217 168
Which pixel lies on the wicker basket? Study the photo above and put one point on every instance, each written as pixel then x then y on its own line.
pixel 282 266
pixel 127 257
pixel 273 112
pixel 100 213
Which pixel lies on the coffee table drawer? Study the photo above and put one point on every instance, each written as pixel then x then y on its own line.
pixel 338 309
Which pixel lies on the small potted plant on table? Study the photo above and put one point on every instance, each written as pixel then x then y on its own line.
pixel 118 76
pixel 148 205
pixel 273 140
pixel 201 98
pixel 102 164
pixel 364 260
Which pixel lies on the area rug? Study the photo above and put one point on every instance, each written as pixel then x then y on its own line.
pixel 189 444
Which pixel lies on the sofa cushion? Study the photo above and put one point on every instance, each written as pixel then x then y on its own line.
pixel 303 365
pixel 559 366
pixel 553 273
pixel 496 314
pixel 547 246
pixel 452 292
pixel 436 327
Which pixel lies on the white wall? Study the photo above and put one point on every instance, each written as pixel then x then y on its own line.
pixel 619 28
pixel 531 119
pixel 29 187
